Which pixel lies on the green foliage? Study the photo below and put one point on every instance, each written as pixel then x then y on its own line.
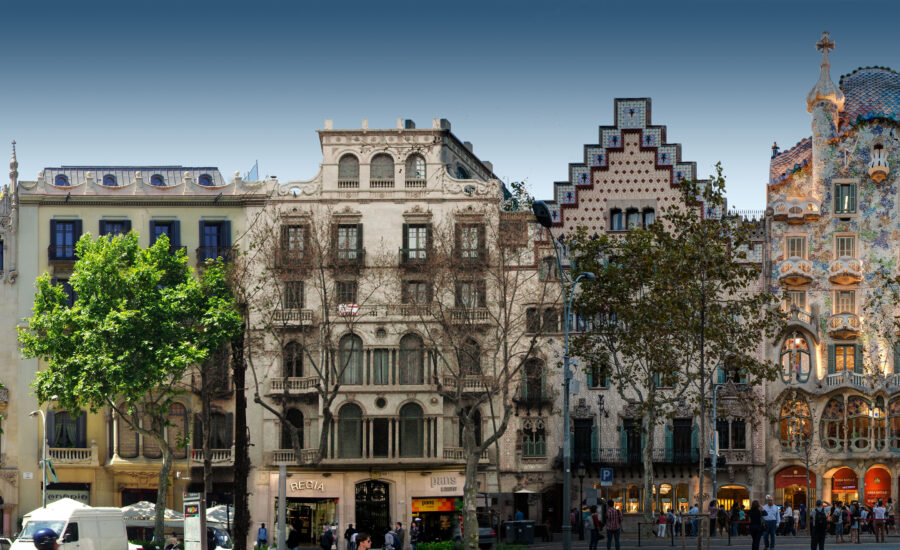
pixel 440 545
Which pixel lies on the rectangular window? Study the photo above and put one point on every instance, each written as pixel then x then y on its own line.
pixel 682 439
pixel 346 292
pixel 845 301
pixel 796 247
pixel 633 219
pixel 532 320
pixel 845 198
pixel 616 221
pixel 844 358
pixel 114 227
pixel 292 239
pixel 293 295
pixel 416 242
pixel 722 430
pixel 738 434
pixel 795 298
pixel 170 229
pixel 471 241
pixel 470 294
pixel 215 240
pixel 845 245
pixel 67 288
pixel 347 242
pixel 381 367
pixel 416 292
pixel 380 437
pixel 64 235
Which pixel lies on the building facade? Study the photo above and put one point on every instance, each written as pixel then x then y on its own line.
pixel 833 241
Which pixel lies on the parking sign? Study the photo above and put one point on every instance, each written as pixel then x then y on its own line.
pixel 606 477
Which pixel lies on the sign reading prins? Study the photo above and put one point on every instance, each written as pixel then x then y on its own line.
pixel 309 484
pixel 445 483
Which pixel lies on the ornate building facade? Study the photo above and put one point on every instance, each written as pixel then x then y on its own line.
pixel 833 239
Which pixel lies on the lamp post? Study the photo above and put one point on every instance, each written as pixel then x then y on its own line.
pixel 43 453
pixel 542 213
pixel 579 471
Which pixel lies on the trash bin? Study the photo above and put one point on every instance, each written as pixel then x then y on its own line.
pixel 509 531
pixel 525 532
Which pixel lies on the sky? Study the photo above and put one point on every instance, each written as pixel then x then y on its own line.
pixel 229 83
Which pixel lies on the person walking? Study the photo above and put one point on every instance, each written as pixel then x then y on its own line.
pixel 348 534
pixel 326 540
pixel 592 528
pixel 818 527
pixel 694 512
pixel 262 536
pixel 390 541
pixel 661 525
pixel 613 526
pixel 401 535
pixel 855 517
pixel 837 512
pixel 733 519
pixel 796 524
pixel 414 534
pixel 802 524
pixel 293 538
pixel 889 515
pixel 770 516
pixel 787 516
pixel 756 525
pixel 713 510
pixel 878 513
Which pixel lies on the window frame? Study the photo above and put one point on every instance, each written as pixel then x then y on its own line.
pixel 790 246
pixel 851 198
pixel 838 238
pixel 844 301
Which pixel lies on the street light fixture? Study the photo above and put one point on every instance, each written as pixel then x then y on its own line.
pixel 43 453
pixel 542 213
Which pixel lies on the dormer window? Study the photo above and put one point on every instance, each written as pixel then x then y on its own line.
pixel 462 173
pixel 109 180
pixel 61 181
pixel 157 180
pixel 205 180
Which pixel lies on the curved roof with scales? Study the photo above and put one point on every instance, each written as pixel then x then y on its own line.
pixel 870 92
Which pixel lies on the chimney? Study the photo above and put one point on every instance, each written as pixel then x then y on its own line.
pixel 445 124
pixel 399 123
pixel 468 145
pixel 489 165
pixel 409 124
pixel 329 124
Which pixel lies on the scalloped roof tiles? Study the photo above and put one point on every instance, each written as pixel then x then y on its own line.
pixel 871 92
pixel 790 160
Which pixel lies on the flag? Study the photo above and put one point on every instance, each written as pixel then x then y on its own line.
pixel 253 174
pixel 51 472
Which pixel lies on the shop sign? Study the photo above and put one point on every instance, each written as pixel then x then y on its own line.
pixel 844 480
pixel 81 495
pixel 436 504
pixel 308 485
pixel 445 483
pixel 878 485
pixel 794 475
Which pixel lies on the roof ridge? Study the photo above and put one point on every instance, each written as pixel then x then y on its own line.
pixel 858 69
pixel 793 147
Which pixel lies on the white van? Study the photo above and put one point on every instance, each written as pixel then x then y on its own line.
pixel 80 527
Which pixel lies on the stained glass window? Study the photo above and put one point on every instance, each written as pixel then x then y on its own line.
pixel 795 358
pixel 833 429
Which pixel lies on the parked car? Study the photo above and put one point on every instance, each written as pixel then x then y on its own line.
pixel 487 536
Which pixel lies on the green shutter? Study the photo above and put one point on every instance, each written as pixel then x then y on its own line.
pixel 595 444
pixel 830 358
pixel 623 441
pixel 852 198
pixel 590 376
pixel 720 372
pixel 857 359
pixel 695 438
pixel 670 442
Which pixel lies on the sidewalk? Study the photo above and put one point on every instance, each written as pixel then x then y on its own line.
pixel 721 543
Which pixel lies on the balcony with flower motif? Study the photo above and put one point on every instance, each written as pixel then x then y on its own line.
pixel 845 271
pixel 795 211
pixel 844 326
pixel 795 271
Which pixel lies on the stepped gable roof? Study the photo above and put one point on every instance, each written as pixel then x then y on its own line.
pixel 871 92
pixel 790 160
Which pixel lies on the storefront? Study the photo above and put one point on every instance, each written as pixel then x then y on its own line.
pixel 790 486
pixel 729 495
pixel 844 486
pixel 878 485
pixel 311 503
pixel 437 501
pixel 80 492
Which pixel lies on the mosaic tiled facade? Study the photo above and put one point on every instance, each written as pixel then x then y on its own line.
pixel 834 223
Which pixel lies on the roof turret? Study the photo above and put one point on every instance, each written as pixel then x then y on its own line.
pixel 825 90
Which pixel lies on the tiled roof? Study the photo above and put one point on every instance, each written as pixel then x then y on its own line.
pixel 124 175
pixel 789 161
pixel 871 92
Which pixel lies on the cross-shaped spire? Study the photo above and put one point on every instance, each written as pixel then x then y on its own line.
pixel 825 44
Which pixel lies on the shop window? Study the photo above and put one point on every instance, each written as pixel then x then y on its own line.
pixel 681 497
pixel 665 498
pixel 833 429
pixel 795 424
pixel 615 496
pixel 292 360
pixel 412 431
pixel 633 500
pixel 859 423
pixel 350 431
pixel 292 417
pixel 350 360
pixel 795 359
pixel 412 360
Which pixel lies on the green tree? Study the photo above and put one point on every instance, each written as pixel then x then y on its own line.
pixel 139 322
pixel 672 303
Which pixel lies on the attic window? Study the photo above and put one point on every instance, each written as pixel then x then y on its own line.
pixel 109 180
pixel 462 173
pixel 205 180
pixel 157 180
pixel 61 181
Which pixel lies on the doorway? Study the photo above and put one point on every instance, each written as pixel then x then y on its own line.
pixel 373 514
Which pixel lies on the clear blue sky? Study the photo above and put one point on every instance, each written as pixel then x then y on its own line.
pixel 224 84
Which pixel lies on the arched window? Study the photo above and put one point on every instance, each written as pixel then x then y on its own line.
pixel 205 180
pixel 879 424
pixel 295 418
pixel 476 426
pixel 412 431
pixel 616 220
pixel 109 180
pixel 533 381
pixel 833 429
pixel 176 429
pixel 462 173
pixel 795 423
pixel 415 169
pixel 381 169
pixel 894 423
pixel 150 448
pixel 632 218
pixel 859 423
pixel 795 359
pixel 350 431
pixel 157 180
pixel 292 360
pixel 649 217
pixel 412 360
pixel 469 358
pixel 128 438
pixel 350 360
pixel 348 168
pixel 61 181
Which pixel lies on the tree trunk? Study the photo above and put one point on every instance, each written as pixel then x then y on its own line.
pixel 162 488
pixel 470 487
pixel 647 459
pixel 241 525
pixel 206 421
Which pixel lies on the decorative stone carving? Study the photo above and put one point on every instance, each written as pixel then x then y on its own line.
pixel 582 410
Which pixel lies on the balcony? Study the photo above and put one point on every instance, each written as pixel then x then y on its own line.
pixel 893 382
pixel 288 457
pixel 381 184
pixel 878 165
pixel 458 455
pixel 292 386
pixel 532 396
pixel 289 259
pixel 73 457
pixel 736 457
pixel 473 315
pixel 205 253
pixel 352 258
pixel 61 255
pixel 669 455
pixel 218 457
pixel 845 271
pixel 414 258
pixel 803 319
pixel 848 379
pixel 844 326
pixel 469 384
pixel 616 456
pixel 795 271
pixel 293 317
pixel 411 311
pixel 795 211
pixel 348 184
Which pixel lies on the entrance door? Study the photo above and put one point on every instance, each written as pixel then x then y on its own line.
pixel 583 427
pixel 373 514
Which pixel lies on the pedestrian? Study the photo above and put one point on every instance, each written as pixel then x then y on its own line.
pixel 592 528
pixel 262 536
pixel 837 512
pixel 354 541
pixel 661 525
pixel 363 541
pixel 414 534
pixel 733 519
pixel 519 515
pixel 613 526
pixel 327 538
pixel 742 517
pixel 878 513
pixel 390 541
pixel 695 521
pixel 348 534
pixel 855 517
pixel 401 535
pixel 796 524
pixel 756 525
pixel 293 538
pixel 802 516
pixel 818 527
pixel 770 516
pixel 713 510
pixel 788 516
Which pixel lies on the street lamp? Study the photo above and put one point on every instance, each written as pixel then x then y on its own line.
pixel 43 453
pixel 542 213
pixel 579 471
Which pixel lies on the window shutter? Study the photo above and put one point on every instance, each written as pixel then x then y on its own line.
pixel 197 436
pixel 152 232
pixel 695 439
pixel 201 229
pixel 175 237
pixel 285 239
pixel 225 236
pixel 78 226
pixel 720 372
pixel 429 292
pixel 457 241
pixel 81 431
pixel 50 435
pixel 857 359
pixel 334 241
pixel 595 443
pixel 405 240
pixel 670 442
pixel 589 376
pixel 428 243
pixel 853 198
pixel 103 227
pixel 52 231
pixel 831 359
pixel 126 226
